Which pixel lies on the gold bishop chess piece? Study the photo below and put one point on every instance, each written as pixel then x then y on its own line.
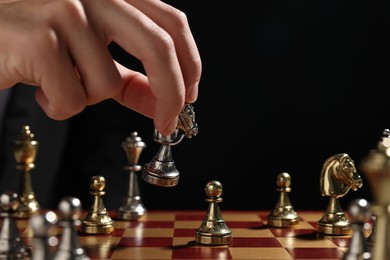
pixel 213 230
pixel 283 214
pixel 161 170
pixel 132 207
pixel 12 245
pixel 25 151
pixel 97 220
pixel 376 168
pixel 338 176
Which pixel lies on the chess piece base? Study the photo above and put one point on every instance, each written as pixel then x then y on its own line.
pixel 208 239
pixel 130 214
pixel 280 222
pixel 163 180
pixel 97 229
pixel 329 229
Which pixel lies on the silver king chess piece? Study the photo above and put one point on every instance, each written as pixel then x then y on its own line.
pixel 338 176
pixel 376 168
pixel 25 151
pixel 283 214
pixel 213 230
pixel 161 170
pixel 132 207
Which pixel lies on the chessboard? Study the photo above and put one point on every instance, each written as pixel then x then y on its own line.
pixel 171 235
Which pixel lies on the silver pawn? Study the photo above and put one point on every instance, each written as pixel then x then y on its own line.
pixel 283 214
pixel 358 249
pixel 11 244
pixel 132 206
pixel 44 236
pixel 213 230
pixel 69 247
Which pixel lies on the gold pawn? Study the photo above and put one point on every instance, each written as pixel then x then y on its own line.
pixel 97 220
pixel 283 214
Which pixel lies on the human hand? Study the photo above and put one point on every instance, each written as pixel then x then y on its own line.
pixel 61 46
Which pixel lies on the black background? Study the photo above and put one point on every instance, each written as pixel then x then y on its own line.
pixel 285 85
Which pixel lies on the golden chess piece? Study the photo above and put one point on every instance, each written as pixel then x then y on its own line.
pixel 97 220
pixel 161 170
pixel 25 151
pixel 132 207
pixel 213 230
pixel 283 214
pixel 376 168
pixel 338 176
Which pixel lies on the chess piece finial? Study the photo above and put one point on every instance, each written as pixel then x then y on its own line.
pixel 360 213
pixel 338 176
pixel 11 244
pixel 69 247
pixel 25 151
pixel 283 214
pixel 97 220
pixel 44 235
pixel 213 230
pixel 376 168
pixel 132 206
pixel 161 170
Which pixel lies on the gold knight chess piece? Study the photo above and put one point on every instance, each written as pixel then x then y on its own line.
pixel 338 176
pixel 25 151
pixel 376 167
pixel 161 170
pixel 283 214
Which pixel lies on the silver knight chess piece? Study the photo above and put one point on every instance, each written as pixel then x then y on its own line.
pixel 376 168
pixel 161 170
pixel 338 176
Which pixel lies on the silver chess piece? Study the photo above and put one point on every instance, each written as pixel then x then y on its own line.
pixel 161 170
pixel 376 168
pixel 11 244
pixel 25 151
pixel 360 212
pixel 338 176
pixel 97 220
pixel 132 207
pixel 44 235
pixel 213 230
pixel 69 246
pixel 283 214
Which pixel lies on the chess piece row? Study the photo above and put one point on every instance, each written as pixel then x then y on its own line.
pixel 46 246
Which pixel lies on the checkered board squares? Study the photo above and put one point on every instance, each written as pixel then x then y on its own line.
pixel 171 235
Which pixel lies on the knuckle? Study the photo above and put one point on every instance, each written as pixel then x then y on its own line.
pixel 64 110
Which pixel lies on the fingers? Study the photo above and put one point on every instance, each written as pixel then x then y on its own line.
pixel 176 24
pixel 173 75
pixel 62 47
